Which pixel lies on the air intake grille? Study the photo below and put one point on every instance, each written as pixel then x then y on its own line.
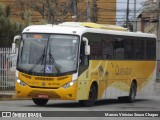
pixel 44 78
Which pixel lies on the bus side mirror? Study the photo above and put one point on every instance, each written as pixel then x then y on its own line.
pixel 87 47
pixel 18 37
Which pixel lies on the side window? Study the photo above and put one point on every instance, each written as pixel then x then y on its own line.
pixel 119 48
pixel 107 47
pixel 139 49
pixel 95 43
pixel 129 49
pixel 150 49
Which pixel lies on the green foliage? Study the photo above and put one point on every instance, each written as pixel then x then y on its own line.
pixel 1 10
pixel 43 21
pixel 8 28
pixel 7 11
pixel 27 17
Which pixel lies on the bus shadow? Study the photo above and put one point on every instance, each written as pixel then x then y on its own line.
pixel 77 105
pixel 116 101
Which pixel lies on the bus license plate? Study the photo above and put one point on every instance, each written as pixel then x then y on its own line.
pixel 42 96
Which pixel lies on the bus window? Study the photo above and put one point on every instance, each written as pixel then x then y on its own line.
pixel 129 49
pixel 139 49
pixel 150 49
pixel 95 43
pixel 119 48
pixel 107 47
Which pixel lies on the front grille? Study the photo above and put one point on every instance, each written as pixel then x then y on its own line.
pixel 62 78
pixel 44 87
pixel 27 76
pixel 44 78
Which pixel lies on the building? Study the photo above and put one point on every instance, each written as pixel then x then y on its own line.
pixel 150 23
pixel 148 19
pixel 99 11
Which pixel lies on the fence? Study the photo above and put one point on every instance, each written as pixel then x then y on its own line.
pixel 7 73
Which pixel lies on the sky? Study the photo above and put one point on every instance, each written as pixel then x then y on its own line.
pixel 122 6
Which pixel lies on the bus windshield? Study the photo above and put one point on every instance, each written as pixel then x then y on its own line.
pixel 48 53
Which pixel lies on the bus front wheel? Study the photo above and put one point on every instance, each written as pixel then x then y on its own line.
pixel 39 101
pixel 91 98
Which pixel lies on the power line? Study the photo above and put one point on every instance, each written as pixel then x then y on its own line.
pixel 113 2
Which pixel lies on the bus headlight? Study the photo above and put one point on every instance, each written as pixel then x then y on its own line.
pixel 21 82
pixel 69 84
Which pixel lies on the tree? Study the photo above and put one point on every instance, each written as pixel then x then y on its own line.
pixel 130 25
pixel 8 28
pixel 53 11
pixel 94 13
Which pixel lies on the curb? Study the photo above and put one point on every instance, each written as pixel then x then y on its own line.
pixel 4 97
pixel 7 97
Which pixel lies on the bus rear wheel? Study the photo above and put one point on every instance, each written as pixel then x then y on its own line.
pixel 39 101
pixel 132 93
pixel 91 99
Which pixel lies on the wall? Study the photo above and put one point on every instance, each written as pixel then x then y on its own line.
pixel 106 11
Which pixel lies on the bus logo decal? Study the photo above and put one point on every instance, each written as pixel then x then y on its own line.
pixel 43 83
pixel 122 70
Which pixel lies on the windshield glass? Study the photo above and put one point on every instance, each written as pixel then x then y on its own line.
pixel 48 53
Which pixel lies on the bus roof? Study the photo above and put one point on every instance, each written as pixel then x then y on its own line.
pixel 95 25
pixel 77 28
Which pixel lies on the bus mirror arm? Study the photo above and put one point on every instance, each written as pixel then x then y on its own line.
pixel 87 47
pixel 18 37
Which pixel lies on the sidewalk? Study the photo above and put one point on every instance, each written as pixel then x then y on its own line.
pixel 157 87
pixel 7 95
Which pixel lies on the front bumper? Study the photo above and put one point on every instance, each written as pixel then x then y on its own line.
pixel 59 93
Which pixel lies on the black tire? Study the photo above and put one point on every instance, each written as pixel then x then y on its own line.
pixel 132 93
pixel 92 98
pixel 39 101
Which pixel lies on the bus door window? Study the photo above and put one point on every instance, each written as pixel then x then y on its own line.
pixel 84 59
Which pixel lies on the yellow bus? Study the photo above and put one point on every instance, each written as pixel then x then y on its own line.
pixel 84 62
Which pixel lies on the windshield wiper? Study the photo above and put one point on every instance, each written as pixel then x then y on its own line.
pixel 41 59
pixel 54 62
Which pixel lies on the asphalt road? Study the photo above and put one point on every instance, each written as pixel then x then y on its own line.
pixel 147 103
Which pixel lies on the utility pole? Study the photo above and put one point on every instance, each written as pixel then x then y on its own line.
pixel 74 2
pixel 88 11
pixel 135 19
pixel 127 15
pixel 158 44
pixel 94 13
